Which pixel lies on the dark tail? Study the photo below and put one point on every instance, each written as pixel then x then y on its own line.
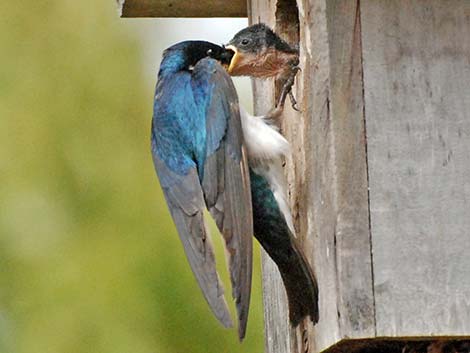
pixel 272 232
pixel 300 284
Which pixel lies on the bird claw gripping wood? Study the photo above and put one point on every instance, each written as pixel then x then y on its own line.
pixel 287 82
pixel 286 90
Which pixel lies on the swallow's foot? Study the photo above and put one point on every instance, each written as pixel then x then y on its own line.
pixel 293 102
pixel 286 90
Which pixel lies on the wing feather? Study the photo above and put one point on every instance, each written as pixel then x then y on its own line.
pixel 215 175
pixel 185 200
pixel 226 182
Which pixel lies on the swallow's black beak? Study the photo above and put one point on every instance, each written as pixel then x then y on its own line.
pixel 226 56
pixel 223 55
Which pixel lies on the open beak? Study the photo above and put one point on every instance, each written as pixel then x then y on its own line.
pixel 235 58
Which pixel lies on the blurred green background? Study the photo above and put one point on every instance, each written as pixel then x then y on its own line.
pixel 89 257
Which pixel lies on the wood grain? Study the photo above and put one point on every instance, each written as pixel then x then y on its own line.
pixel 314 189
pixel 417 95
pixel 182 8
pixel 327 174
pixel 385 99
pixel 336 201
pixel 351 209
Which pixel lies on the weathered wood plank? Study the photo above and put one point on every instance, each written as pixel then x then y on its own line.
pixel 352 231
pixel 417 99
pixel 313 147
pixel 408 272
pixel 327 174
pixel 335 160
pixel 179 8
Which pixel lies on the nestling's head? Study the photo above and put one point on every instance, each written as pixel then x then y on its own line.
pixel 257 37
pixel 258 51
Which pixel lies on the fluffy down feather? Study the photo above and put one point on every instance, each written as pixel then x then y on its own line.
pixel 266 148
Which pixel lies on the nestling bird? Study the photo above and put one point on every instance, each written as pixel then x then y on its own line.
pixel 259 52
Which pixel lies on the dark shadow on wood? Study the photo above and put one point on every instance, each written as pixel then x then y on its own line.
pixel 396 346
pixel 287 26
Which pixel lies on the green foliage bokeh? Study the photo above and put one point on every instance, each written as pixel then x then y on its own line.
pixel 89 257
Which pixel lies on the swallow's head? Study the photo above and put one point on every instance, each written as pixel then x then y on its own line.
pixel 185 55
pixel 258 51
pixel 222 55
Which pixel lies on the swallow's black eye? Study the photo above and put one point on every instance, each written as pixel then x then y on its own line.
pixel 245 41
pixel 209 52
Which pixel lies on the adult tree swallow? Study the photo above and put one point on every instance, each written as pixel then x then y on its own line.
pixel 200 159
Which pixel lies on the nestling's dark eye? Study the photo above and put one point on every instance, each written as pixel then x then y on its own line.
pixel 245 41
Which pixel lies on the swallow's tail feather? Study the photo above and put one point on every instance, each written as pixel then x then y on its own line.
pixel 301 287
pixel 274 235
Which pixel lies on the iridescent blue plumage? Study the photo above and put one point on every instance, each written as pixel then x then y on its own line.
pixel 198 155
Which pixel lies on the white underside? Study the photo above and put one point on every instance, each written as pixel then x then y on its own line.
pixel 266 148
pixel 263 140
